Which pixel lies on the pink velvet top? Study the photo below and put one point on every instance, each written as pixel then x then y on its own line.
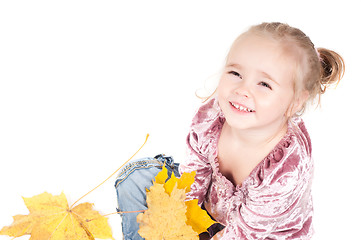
pixel 273 202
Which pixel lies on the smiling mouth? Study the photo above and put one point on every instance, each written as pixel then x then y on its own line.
pixel 241 108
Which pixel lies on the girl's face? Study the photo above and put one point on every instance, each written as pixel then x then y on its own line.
pixel 256 88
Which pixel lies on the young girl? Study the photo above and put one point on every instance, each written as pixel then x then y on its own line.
pixel 248 145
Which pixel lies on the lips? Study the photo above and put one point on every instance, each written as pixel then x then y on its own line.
pixel 241 107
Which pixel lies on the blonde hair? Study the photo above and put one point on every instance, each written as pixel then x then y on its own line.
pixel 318 68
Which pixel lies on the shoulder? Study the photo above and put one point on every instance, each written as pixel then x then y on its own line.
pixel 209 114
pixel 290 161
pixel 300 134
pixel 283 180
pixel 206 126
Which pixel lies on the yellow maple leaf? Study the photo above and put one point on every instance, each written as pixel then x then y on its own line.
pixel 51 218
pixel 169 216
pixel 166 216
pixel 184 182
pixel 197 217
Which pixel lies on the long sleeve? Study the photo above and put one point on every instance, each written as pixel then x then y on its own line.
pixel 201 147
pixel 272 213
pixel 198 162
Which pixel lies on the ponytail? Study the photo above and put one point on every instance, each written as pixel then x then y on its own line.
pixel 332 68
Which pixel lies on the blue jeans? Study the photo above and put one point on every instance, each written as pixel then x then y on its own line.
pixel 130 185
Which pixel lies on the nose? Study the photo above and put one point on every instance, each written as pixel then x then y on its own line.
pixel 242 90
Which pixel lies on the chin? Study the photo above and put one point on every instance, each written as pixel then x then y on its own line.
pixel 240 124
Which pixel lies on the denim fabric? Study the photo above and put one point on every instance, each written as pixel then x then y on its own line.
pixel 130 185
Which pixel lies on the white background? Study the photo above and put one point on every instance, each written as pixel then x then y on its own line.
pixel 83 82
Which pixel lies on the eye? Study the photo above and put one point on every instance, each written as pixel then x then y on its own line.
pixel 264 84
pixel 234 73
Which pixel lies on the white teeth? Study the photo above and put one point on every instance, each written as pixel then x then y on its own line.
pixel 241 108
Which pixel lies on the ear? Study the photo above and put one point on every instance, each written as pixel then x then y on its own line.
pixel 297 104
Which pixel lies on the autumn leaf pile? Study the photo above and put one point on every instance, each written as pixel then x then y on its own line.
pixel 169 215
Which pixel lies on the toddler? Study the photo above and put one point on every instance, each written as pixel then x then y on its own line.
pixel 248 145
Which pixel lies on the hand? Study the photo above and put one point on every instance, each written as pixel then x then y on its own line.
pixel 218 235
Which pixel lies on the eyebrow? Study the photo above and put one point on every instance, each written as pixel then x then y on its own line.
pixel 236 65
pixel 269 77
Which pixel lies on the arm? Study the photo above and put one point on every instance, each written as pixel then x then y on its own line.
pixel 280 210
pixel 197 161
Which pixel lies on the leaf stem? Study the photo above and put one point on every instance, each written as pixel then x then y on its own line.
pixel 111 174
pixel 138 211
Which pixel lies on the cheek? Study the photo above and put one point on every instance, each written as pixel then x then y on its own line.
pixel 223 89
pixel 285 102
pixel 277 104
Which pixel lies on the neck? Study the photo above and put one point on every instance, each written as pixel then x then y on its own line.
pixel 255 138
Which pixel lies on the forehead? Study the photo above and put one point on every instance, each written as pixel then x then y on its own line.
pixel 256 45
pixel 263 53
